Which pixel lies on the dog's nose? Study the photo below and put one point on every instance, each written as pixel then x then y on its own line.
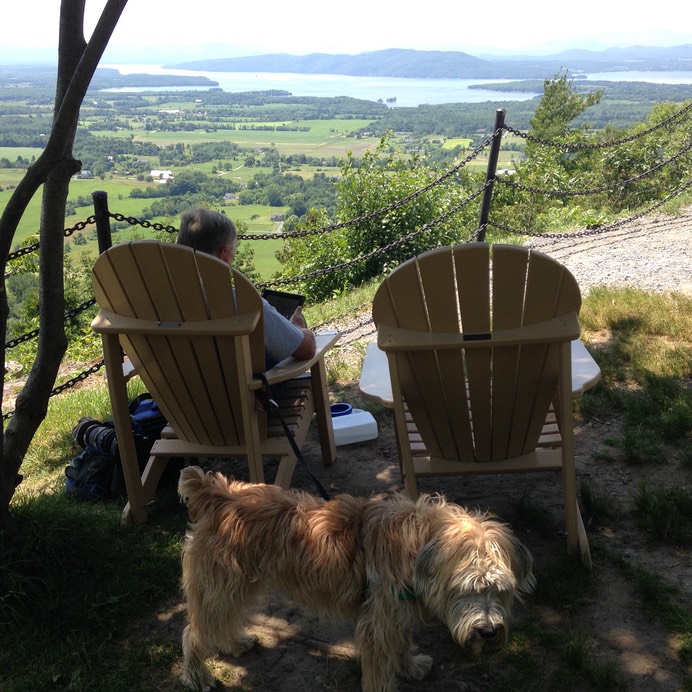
pixel 487 632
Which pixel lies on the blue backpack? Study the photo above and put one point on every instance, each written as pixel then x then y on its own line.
pixel 147 419
pixel 96 472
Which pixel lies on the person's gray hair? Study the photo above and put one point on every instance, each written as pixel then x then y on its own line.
pixel 206 230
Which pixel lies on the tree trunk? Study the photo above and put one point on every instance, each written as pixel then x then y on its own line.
pixel 77 61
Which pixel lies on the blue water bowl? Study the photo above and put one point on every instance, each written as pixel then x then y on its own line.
pixel 340 409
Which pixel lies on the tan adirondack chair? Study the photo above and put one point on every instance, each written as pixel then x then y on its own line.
pixel 478 346
pixel 193 333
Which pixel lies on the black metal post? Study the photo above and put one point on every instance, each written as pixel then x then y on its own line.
pixel 103 222
pixel 490 174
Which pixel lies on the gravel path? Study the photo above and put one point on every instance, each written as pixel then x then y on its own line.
pixel 653 253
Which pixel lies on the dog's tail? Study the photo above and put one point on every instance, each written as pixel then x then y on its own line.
pixel 192 487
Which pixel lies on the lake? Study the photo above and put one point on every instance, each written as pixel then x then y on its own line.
pixel 407 92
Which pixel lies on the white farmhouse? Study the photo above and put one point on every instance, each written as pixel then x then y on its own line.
pixel 162 176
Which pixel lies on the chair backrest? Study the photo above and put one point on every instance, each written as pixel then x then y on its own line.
pixel 481 399
pixel 200 380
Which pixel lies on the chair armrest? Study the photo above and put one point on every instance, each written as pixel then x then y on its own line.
pixel 290 367
pixel 107 322
pixel 562 328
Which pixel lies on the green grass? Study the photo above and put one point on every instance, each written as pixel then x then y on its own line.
pixel 11 154
pixel 118 190
pixel 75 584
pixel 324 138
pixel 666 512
pixel 644 349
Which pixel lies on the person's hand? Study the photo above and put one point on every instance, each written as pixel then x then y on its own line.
pixel 298 319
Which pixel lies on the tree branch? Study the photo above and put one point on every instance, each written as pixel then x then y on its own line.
pixel 77 62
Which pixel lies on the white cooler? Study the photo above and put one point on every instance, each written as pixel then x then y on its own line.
pixel 355 426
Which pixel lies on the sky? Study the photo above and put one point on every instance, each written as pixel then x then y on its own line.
pixel 167 30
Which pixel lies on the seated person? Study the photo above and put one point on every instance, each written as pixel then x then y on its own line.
pixel 214 233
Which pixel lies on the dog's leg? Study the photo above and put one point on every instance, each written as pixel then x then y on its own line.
pixel 383 636
pixel 219 634
pixel 222 616
pixel 195 673
pixel 415 664
pixel 215 611
pixel 228 619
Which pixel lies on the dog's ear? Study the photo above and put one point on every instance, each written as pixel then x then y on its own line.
pixel 427 558
pixel 522 566
pixel 427 568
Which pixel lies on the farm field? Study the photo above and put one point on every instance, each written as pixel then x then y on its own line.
pixel 505 159
pixel 323 137
pixel 253 142
pixel 12 153
pixel 118 190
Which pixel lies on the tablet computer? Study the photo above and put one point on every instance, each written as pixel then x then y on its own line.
pixel 285 303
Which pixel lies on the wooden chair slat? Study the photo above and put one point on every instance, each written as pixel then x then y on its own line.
pixel 509 268
pixel 482 402
pixel 473 286
pixel 202 378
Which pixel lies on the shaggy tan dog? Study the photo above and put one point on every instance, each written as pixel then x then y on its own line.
pixel 388 563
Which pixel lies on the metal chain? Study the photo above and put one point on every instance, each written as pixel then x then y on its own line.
pixel 342 316
pixel 504 180
pixel 378 212
pixel 600 229
pixel 68 384
pixel 35 332
pixel 378 251
pixel 362 322
pixel 569 148
pixel 134 221
pixel 79 226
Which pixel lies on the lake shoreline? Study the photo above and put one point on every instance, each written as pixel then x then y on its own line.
pixel 395 91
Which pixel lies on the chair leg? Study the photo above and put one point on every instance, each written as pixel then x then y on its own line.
pixel 401 435
pixel 133 515
pixel 577 540
pixel 151 477
pixel 150 481
pixel 408 471
pixel 411 485
pixel 284 474
pixel 583 542
pixel 325 429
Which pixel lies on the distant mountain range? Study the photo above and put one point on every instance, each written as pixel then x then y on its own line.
pixel 397 62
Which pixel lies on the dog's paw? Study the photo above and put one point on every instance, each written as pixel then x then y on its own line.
pixel 204 682
pixel 240 646
pixel 417 666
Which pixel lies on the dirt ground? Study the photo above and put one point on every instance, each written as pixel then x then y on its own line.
pixel 297 652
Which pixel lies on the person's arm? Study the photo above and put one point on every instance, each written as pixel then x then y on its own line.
pixel 308 345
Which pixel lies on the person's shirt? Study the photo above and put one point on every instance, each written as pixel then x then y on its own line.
pixel 281 337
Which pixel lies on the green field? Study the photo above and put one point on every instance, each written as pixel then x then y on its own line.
pixel 324 137
pixel 506 160
pixel 327 138
pixel 452 142
pixel 12 153
pixel 118 190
